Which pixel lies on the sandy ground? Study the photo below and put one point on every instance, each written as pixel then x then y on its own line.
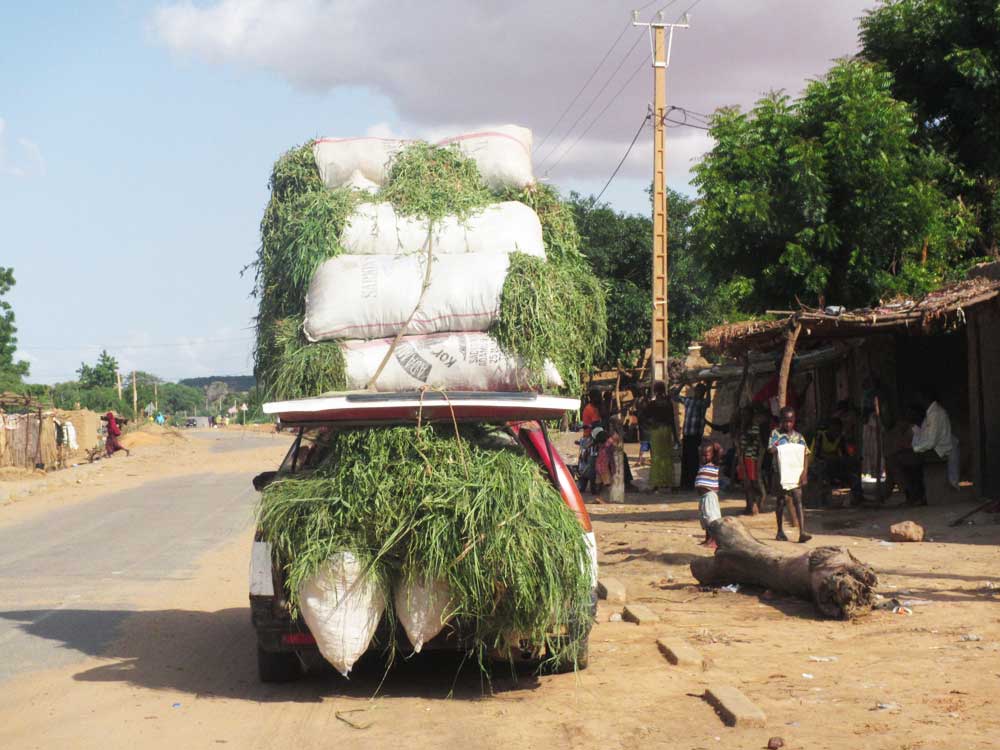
pixel 183 674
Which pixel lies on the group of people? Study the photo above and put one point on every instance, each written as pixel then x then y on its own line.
pixel 769 455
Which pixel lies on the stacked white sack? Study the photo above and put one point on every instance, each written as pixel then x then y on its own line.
pixel 452 361
pixel 342 608
pixel 421 607
pixel 376 229
pixel 502 154
pixel 374 296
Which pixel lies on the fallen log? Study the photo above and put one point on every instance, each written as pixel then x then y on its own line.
pixel 839 584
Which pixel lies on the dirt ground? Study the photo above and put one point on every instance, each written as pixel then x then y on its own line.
pixel 183 672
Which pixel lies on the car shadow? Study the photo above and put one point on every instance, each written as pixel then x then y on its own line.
pixel 213 654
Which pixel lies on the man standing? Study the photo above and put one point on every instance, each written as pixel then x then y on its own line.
pixel 694 430
pixel 931 444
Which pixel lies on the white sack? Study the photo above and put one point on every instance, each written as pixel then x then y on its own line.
pixel 373 296
pixel 342 608
pixel 376 229
pixel 791 462
pixel 421 607
pixel 358 181
pixel 502 154
pixel 343 160
pixel 454 362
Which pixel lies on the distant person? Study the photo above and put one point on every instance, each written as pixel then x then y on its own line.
pixel 832 460
pixel 112 445
pixel 658 414
pixel 695 407
pixel 590 448
pixel 785 434
pixel 931 444
pixel 160 420
pixel 706 482
pixel 591 412
pixel 750 451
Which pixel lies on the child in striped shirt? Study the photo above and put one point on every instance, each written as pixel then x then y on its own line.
pixel 706 482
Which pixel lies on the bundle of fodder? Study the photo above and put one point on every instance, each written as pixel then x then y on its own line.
pixel 433 525
pixel 481 269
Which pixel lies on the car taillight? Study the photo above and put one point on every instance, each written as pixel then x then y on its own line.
pixel 298 639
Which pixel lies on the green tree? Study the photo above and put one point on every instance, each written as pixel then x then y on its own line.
pixel 945 59
pixel 827 199
pixel 101 375
pixel 619 248
pixel 11 371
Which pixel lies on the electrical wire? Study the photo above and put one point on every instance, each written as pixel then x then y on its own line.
pixel 552 151
pixel 642 64
pixel 116 347
pixel 620 163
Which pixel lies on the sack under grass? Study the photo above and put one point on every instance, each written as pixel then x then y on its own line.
pixel 422 504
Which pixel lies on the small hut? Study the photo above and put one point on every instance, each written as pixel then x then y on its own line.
pixel 948 340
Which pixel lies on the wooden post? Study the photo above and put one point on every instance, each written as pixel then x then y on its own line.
pixel 118 377
pixel 135 399
pixel 156 397
pixel 791 337
pixel 660 262
pixel 616 493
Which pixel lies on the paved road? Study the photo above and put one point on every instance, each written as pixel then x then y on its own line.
pixel 86 563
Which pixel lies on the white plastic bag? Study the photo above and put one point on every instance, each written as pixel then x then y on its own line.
pixel 454 361
pixel 421 607
pixel 343 160
pixel 342 608
pixel 373 296
pixel 376 229
pixel 791 462
pixel 502 154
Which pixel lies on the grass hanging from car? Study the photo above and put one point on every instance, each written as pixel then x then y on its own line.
pixel 473 511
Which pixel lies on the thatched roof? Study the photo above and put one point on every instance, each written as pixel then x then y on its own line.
pixel 937 311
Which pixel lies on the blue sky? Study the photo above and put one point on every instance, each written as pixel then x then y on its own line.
pixel 136 140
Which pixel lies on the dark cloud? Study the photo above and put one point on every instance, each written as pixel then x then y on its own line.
pixel 451 64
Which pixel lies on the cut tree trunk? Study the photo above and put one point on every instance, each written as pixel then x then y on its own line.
pixel 832 578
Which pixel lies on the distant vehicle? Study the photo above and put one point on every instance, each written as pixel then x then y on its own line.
pixel 191 422
pixel 284 644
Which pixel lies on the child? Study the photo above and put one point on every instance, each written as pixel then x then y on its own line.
pixel 750 450
pixel 706 482
pixel 785 434
pixel 587 466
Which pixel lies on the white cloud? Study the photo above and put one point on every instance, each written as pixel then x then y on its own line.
pixel 32 164
pixel 447 65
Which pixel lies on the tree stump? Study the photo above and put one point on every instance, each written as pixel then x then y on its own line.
pixel 833 579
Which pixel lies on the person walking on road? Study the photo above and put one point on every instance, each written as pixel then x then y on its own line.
pixel 112 445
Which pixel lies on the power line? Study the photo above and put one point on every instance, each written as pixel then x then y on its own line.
pixel 690 8
pixel 627 152
pixel 600 114
pixel 552 151
pixel 590 104
pixel 583 87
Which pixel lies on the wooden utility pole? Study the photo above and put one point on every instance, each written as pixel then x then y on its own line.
pixel 135 399
pixel 660 44
pixel 118 377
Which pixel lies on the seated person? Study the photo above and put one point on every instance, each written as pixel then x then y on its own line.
pixel 832 461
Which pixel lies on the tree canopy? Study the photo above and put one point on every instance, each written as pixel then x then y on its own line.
pixel 619 248
pixel 827 198
pixel 944 56
pixel 103 374
pixel 11 371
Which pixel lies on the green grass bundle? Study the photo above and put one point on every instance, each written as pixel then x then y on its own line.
pixel 559 233
pixel 433 182
pixel 420 503
pixel 289 367
pixel 552 310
